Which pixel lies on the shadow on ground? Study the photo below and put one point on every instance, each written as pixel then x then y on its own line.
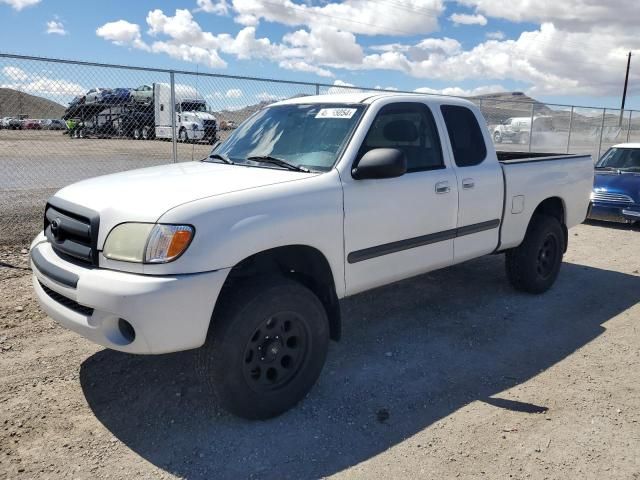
pixel 412 353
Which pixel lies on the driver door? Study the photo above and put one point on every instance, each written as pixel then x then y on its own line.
pixel 395 228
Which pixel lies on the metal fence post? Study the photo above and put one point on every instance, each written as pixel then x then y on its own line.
pixel 604 114
pixel 531 126
pixel 174 140
pixel 317 89
pixel 629 127
pixel 570 127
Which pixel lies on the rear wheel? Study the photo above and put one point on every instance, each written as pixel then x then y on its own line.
pixel 146 133
pixel 534 265
pixel 137 134
pixel 265 348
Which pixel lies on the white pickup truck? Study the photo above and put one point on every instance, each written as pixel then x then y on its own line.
pixel 247 253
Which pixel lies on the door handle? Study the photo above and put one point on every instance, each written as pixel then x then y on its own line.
pixel 443 187
pixel 468 183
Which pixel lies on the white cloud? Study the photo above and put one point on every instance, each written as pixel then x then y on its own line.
pixel 15 74
pixel 401 17
pixel 302 66
pixel 220 7
pixel 326 45
pixel 122 33
pixel 268 97
pixel 56 27
pixel 339 87
pixel 497 35
pixel 462 92
pixel 468 19
pixel 20 4
pixel 234 93
pixel 575 15
pixel 40 84
pixel 190 53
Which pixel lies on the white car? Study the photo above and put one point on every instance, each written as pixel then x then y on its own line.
pixel 310 200
pixel 95 95
pixel 143 94
pixel 518 129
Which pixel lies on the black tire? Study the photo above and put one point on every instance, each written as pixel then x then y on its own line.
pixel 534 265
pixel 497 137
pixel 146 133
pixel 183 136
pixel 266 347
pixel 137 135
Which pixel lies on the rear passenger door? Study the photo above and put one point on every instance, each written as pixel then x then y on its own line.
pixel 398 227
pixel 479 180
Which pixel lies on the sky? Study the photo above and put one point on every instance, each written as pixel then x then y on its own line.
pixel 559 51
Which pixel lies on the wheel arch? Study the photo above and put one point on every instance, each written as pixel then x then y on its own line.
pixel 303 263
pixel 554 207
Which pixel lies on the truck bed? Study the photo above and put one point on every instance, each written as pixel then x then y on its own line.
pixel 522 157
pixel 531 178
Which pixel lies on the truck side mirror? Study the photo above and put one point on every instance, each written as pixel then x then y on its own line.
pixel 380 163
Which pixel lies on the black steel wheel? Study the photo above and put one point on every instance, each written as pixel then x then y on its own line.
pixel 266 347
pixel 276 351
pixel 534 265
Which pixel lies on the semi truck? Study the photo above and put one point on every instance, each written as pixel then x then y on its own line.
pixel 194 121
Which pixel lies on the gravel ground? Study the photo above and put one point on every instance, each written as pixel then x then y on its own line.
pixel 448 375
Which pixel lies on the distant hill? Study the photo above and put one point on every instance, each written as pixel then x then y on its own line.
pixel 14 103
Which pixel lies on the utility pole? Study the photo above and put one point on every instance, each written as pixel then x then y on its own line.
pixel 626 83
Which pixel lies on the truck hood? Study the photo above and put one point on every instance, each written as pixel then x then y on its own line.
pixel 144 195
pixel 625 183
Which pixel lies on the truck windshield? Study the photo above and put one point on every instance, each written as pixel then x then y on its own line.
pixel 623 159
pixel 193 106
pixel 310 136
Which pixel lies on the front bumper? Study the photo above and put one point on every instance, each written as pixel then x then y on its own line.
pixel 167 313
pixel 609 212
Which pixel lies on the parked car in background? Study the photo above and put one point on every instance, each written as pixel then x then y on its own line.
pixel 518 129
pixel 616 185
pixel 117 96
pixel 54 124
pixel 31 124
pixel 142 94
pixel 15 124
pixel 228 125
pixel 96 95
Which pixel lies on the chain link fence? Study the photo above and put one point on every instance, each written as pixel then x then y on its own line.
pixel 63 121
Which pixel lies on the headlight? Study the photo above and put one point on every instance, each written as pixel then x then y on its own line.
pixel 147 242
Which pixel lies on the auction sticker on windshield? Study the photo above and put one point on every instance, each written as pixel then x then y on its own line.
pixel 336 113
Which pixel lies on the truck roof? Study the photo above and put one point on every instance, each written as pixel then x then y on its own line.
pixel 370 97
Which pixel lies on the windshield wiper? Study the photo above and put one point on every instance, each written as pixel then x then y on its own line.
pixel 223 157
pixel 279 162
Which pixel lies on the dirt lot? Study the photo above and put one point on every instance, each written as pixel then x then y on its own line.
pixel 448 375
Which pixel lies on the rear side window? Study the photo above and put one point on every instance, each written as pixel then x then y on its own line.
pixel 409 127
pixel 466 137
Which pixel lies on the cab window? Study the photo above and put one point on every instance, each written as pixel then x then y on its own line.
pixel 409 127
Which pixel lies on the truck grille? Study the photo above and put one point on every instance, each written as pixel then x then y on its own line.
pixel 72 231
pixel 611 197
pixel 67 302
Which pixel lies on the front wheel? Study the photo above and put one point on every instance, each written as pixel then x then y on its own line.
pixel 266 348
pixel 534 265
pixel 497 137
pixel 183 136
